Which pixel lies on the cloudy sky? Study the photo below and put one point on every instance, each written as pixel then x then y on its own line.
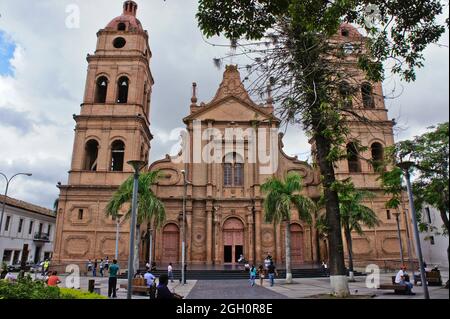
pixel 42 77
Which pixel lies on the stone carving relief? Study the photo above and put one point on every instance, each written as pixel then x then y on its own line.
pixel 363 246
pixel 74 212
pixel 267 238
pixel 170 177
pixel 390 245
pixel 305 173
pixel 108 246
pixel 77 246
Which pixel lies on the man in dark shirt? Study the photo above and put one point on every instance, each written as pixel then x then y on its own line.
pixel 163 291
pixel 272 271
pixel 112 284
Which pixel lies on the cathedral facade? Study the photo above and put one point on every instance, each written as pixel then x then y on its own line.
pixel 220 190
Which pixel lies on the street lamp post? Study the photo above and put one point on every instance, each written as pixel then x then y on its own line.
pixel 183 242
pixel 397 215
pixel 137 166
pixel 150 253
pixel 408 236
pixel 406 166
pixel 6 192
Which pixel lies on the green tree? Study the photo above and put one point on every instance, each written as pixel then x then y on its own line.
pixel 303 67
pixel 430 155
pixel 150 209
pixel 281 197
pixel 354 214
pixel 55 205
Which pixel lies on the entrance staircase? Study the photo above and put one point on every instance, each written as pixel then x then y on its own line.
pixel 224 274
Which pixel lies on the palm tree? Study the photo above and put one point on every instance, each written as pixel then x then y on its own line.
pixel 150 208
pixel 354 214
pixel 281 196
pixel 55 205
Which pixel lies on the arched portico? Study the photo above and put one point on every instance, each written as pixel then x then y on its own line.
pixel 233 240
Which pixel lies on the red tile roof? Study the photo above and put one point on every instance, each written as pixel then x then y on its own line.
pixel 27 206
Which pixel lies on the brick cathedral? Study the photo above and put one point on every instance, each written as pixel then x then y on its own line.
pixel 224 203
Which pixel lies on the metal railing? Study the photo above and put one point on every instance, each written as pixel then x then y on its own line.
pixel 42 237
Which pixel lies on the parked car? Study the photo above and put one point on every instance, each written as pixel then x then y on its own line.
pixel 29 267
pixel 14 268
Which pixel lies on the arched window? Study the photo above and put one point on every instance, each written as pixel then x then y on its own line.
pixel 345 93
pixel 377 155
pixel 122 89
pixel 121 27
pixel 353 158
pixel 101 90
pixel 367 96
pixel 228 174
pixel 91 151
pixel 117 156
pixel 238 174
pixel 233 170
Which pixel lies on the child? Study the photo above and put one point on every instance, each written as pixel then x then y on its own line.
pixel 261 274
pixel 252 275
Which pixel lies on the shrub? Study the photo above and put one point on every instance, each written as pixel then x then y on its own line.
pixel 67 293
pixel 26 288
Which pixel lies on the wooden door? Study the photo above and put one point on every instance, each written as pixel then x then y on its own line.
pixel 233 238
pixel 296 244
pixel 170 244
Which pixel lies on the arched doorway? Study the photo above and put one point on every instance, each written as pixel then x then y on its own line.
pixel 233 240
pixel 296 244
pixel 170 244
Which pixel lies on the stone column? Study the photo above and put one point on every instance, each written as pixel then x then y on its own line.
pixel 251 244
pixel 209 227
pixel 217 235
pixel 258 244
pixel 189 232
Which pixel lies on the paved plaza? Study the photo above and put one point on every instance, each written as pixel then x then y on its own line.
pixel 305 288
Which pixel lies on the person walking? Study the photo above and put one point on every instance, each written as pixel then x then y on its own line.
pixel 252 275
pixel 262 274
pixel 112 283
pixel 170 272
pixel 94 268
pixel 45 267
pixel 107 263
pixel 325 267
pixel 267 262
pixel 272 271
pixel 89 266
pixel 102 266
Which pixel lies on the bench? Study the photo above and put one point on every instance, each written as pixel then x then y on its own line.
pixel 398 289
pixel 433 278
pixel 139 286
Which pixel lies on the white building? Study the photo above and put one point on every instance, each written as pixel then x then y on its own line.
pixel 434 244
pixel 27 232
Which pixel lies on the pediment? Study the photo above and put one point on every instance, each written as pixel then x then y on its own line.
pixel 231 109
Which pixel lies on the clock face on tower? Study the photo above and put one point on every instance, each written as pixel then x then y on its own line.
pixel 348 48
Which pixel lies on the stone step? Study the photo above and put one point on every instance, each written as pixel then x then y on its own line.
pixel 238 274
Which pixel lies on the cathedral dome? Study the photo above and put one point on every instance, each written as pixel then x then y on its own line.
pixel 127 21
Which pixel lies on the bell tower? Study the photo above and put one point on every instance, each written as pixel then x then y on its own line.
pixel 113 127
pixel 368 139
